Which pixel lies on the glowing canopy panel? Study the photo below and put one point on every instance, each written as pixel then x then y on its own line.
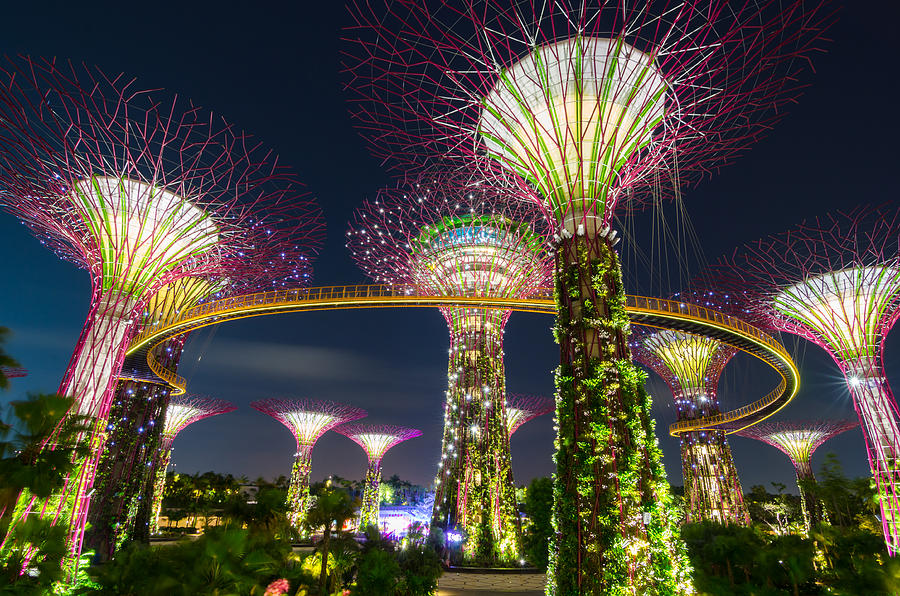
pixel 844 308
pixel 798 440
pixel 376 440
pixel 307 419
pixel 476 256
pixel 569 115
pixel 686 355
pixel 142 231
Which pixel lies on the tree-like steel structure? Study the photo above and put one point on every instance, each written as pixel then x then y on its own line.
pixel 522 408
pixel 454 235
pixel 307 420
pixel 375 440
pixel 140 191
pixel 182 411
pixel 835 280
pixel 588 104
pixel 120 505
pixel 799 440
pixel 691 366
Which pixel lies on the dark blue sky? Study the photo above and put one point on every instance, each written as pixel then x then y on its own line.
pixel 273 69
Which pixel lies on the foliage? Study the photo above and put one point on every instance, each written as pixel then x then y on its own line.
pixel 848 503
pixel 44 568
pixel 332 508
pixel 539 507
pixel 732 559
pixel 780 511
pixel 378 573
pixel 30 469
pixel 402 492
pixel 420 569
pixel 222 561
pixel 25 463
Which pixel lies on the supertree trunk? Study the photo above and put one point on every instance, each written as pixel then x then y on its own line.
pixel 371 504
pixel 612 509
pixel 711 483
pixel 159 484
pixel 126 467
pixel 878 418
pixel 298 491
pixel 91 377
pixel 474 490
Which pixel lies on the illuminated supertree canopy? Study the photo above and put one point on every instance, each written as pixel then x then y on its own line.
pixel 307 420
pixel 375 440
pixel 456 234
pixel 182 411
pixel 691 366
pixel 522 408
pixel 140 191
pixel 589 105
pixel 799 440
pixel 120 505
pixel 835 280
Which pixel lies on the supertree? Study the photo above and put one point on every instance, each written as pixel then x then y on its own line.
pixel 307 420
pixel 799 440
pixel 375 440
pixel 691 366
pixel 835 280
pixel 589 105
pixel 182 411
pixel 120 505
pixel 140 191
pixel 522 408
pixel 452 234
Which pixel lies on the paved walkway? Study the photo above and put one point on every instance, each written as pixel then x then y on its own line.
pixel 510 584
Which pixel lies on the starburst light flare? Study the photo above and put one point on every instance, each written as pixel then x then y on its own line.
pixel 835 280
pixel 799 440
pixel 141 191
pixel 691 366
pixel 375 440
pixel 588 105
pixel 460 234
pixel 307 420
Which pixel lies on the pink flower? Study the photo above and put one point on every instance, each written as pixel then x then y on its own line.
pixel 277 587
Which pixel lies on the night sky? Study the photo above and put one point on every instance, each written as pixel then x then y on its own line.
pixel 274 71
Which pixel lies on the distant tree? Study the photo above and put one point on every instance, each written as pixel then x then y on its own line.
pixel 538 507
pixel 849 503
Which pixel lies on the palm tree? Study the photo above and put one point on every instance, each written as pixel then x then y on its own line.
pixel 333 507
pixel 5 359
